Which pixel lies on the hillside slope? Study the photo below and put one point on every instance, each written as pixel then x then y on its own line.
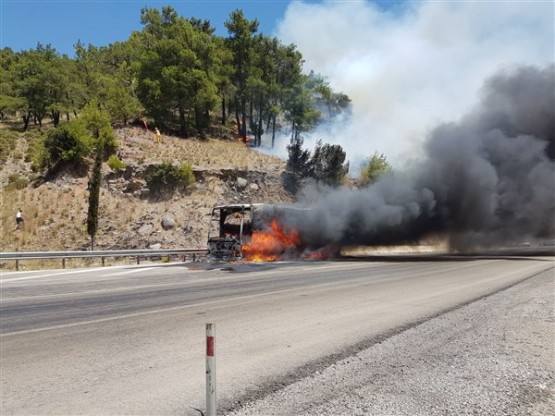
pixel 55 212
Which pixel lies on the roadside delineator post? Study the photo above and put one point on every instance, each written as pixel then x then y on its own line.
pixel 210 370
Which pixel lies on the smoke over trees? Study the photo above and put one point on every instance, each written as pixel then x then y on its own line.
pixel 485 180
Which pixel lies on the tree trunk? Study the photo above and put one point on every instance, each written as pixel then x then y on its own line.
pixel 182 122
pixel 243 125
pixel 223 111
pixel 273 130
pixel 94 195
pixel 244 128
pixel 56 118
pixel 198 119
pixel 206 119
pixel 270 116
pixel 26 119
pixel 238 122
pixel 259 129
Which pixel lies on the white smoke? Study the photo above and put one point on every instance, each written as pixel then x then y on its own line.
pixel 413 66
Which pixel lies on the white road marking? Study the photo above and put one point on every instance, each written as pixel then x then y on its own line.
pixel 57 273
pixel 53 273
pixel 129 272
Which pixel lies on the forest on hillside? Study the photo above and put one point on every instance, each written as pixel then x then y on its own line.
pixel 177 74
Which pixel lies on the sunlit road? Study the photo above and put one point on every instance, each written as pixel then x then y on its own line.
pixel 131 340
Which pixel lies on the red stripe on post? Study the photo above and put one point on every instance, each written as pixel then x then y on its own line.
pixel 210 346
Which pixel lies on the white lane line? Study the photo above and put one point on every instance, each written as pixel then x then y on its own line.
pixel 129 272
pixel 51 274
pixel 56 273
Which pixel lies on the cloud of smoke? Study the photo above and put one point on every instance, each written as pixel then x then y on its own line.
pixel 410 67
pixel 485 180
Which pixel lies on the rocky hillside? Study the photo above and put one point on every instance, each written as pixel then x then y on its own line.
pixel 55 211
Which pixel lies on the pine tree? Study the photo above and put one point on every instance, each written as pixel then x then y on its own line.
pixel 94 196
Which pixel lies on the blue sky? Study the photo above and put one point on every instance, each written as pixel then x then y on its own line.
pixel 61 23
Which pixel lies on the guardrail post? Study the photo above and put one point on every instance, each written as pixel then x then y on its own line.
pixel 17 265
pixel 63 262
pixel 102 261
pixel 138 261
pixel 210 370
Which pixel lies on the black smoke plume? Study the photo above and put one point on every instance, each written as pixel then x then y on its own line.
pixel 486 180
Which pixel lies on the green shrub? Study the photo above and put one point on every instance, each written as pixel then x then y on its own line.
pixel 8 140
pixel 64 145
pixel 167 178
pixel 38 154
pixel 71 144
pixel 374 167
pixel 115 164
pixel 16 181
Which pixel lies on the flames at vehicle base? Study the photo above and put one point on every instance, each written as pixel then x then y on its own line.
pixel 253 232
pixel 272 244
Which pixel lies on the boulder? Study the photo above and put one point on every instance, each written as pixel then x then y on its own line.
pixel 168 222
pixel 145 230
pixel 135 185
pixel 241 183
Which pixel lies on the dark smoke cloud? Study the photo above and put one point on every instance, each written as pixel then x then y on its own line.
pixel 486 180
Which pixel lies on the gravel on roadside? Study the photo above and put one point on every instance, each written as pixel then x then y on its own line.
pixel 495 356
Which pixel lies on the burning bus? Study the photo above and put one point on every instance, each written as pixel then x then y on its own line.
pixel 255 232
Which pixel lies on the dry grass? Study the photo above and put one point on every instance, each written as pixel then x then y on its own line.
pixel 138 145
pixel 55 212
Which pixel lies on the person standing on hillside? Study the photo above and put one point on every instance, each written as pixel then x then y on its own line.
pixel 19 222
pixel 157 134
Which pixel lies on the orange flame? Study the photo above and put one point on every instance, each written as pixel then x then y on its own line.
pixel 320 254
pixel 272 244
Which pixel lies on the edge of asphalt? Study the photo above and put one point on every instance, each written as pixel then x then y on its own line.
pixel 315 367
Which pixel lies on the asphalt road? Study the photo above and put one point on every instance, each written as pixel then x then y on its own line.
pixel 131 340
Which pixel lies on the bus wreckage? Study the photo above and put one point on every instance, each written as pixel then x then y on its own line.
pixel 257 232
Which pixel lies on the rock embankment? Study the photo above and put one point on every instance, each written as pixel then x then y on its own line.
pixel 130 216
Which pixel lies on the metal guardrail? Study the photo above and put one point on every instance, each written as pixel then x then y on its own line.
pixel 193 254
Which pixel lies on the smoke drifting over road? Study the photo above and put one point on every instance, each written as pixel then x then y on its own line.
pixel 485 180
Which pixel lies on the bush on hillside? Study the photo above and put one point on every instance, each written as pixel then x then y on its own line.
pixel 328 164
pixel 64 145
pixel 8 140
pixel 167 178
pixel 374 167
pixel 16 181
pixel 115 163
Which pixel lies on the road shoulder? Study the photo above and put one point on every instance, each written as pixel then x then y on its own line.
pixel 493 356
